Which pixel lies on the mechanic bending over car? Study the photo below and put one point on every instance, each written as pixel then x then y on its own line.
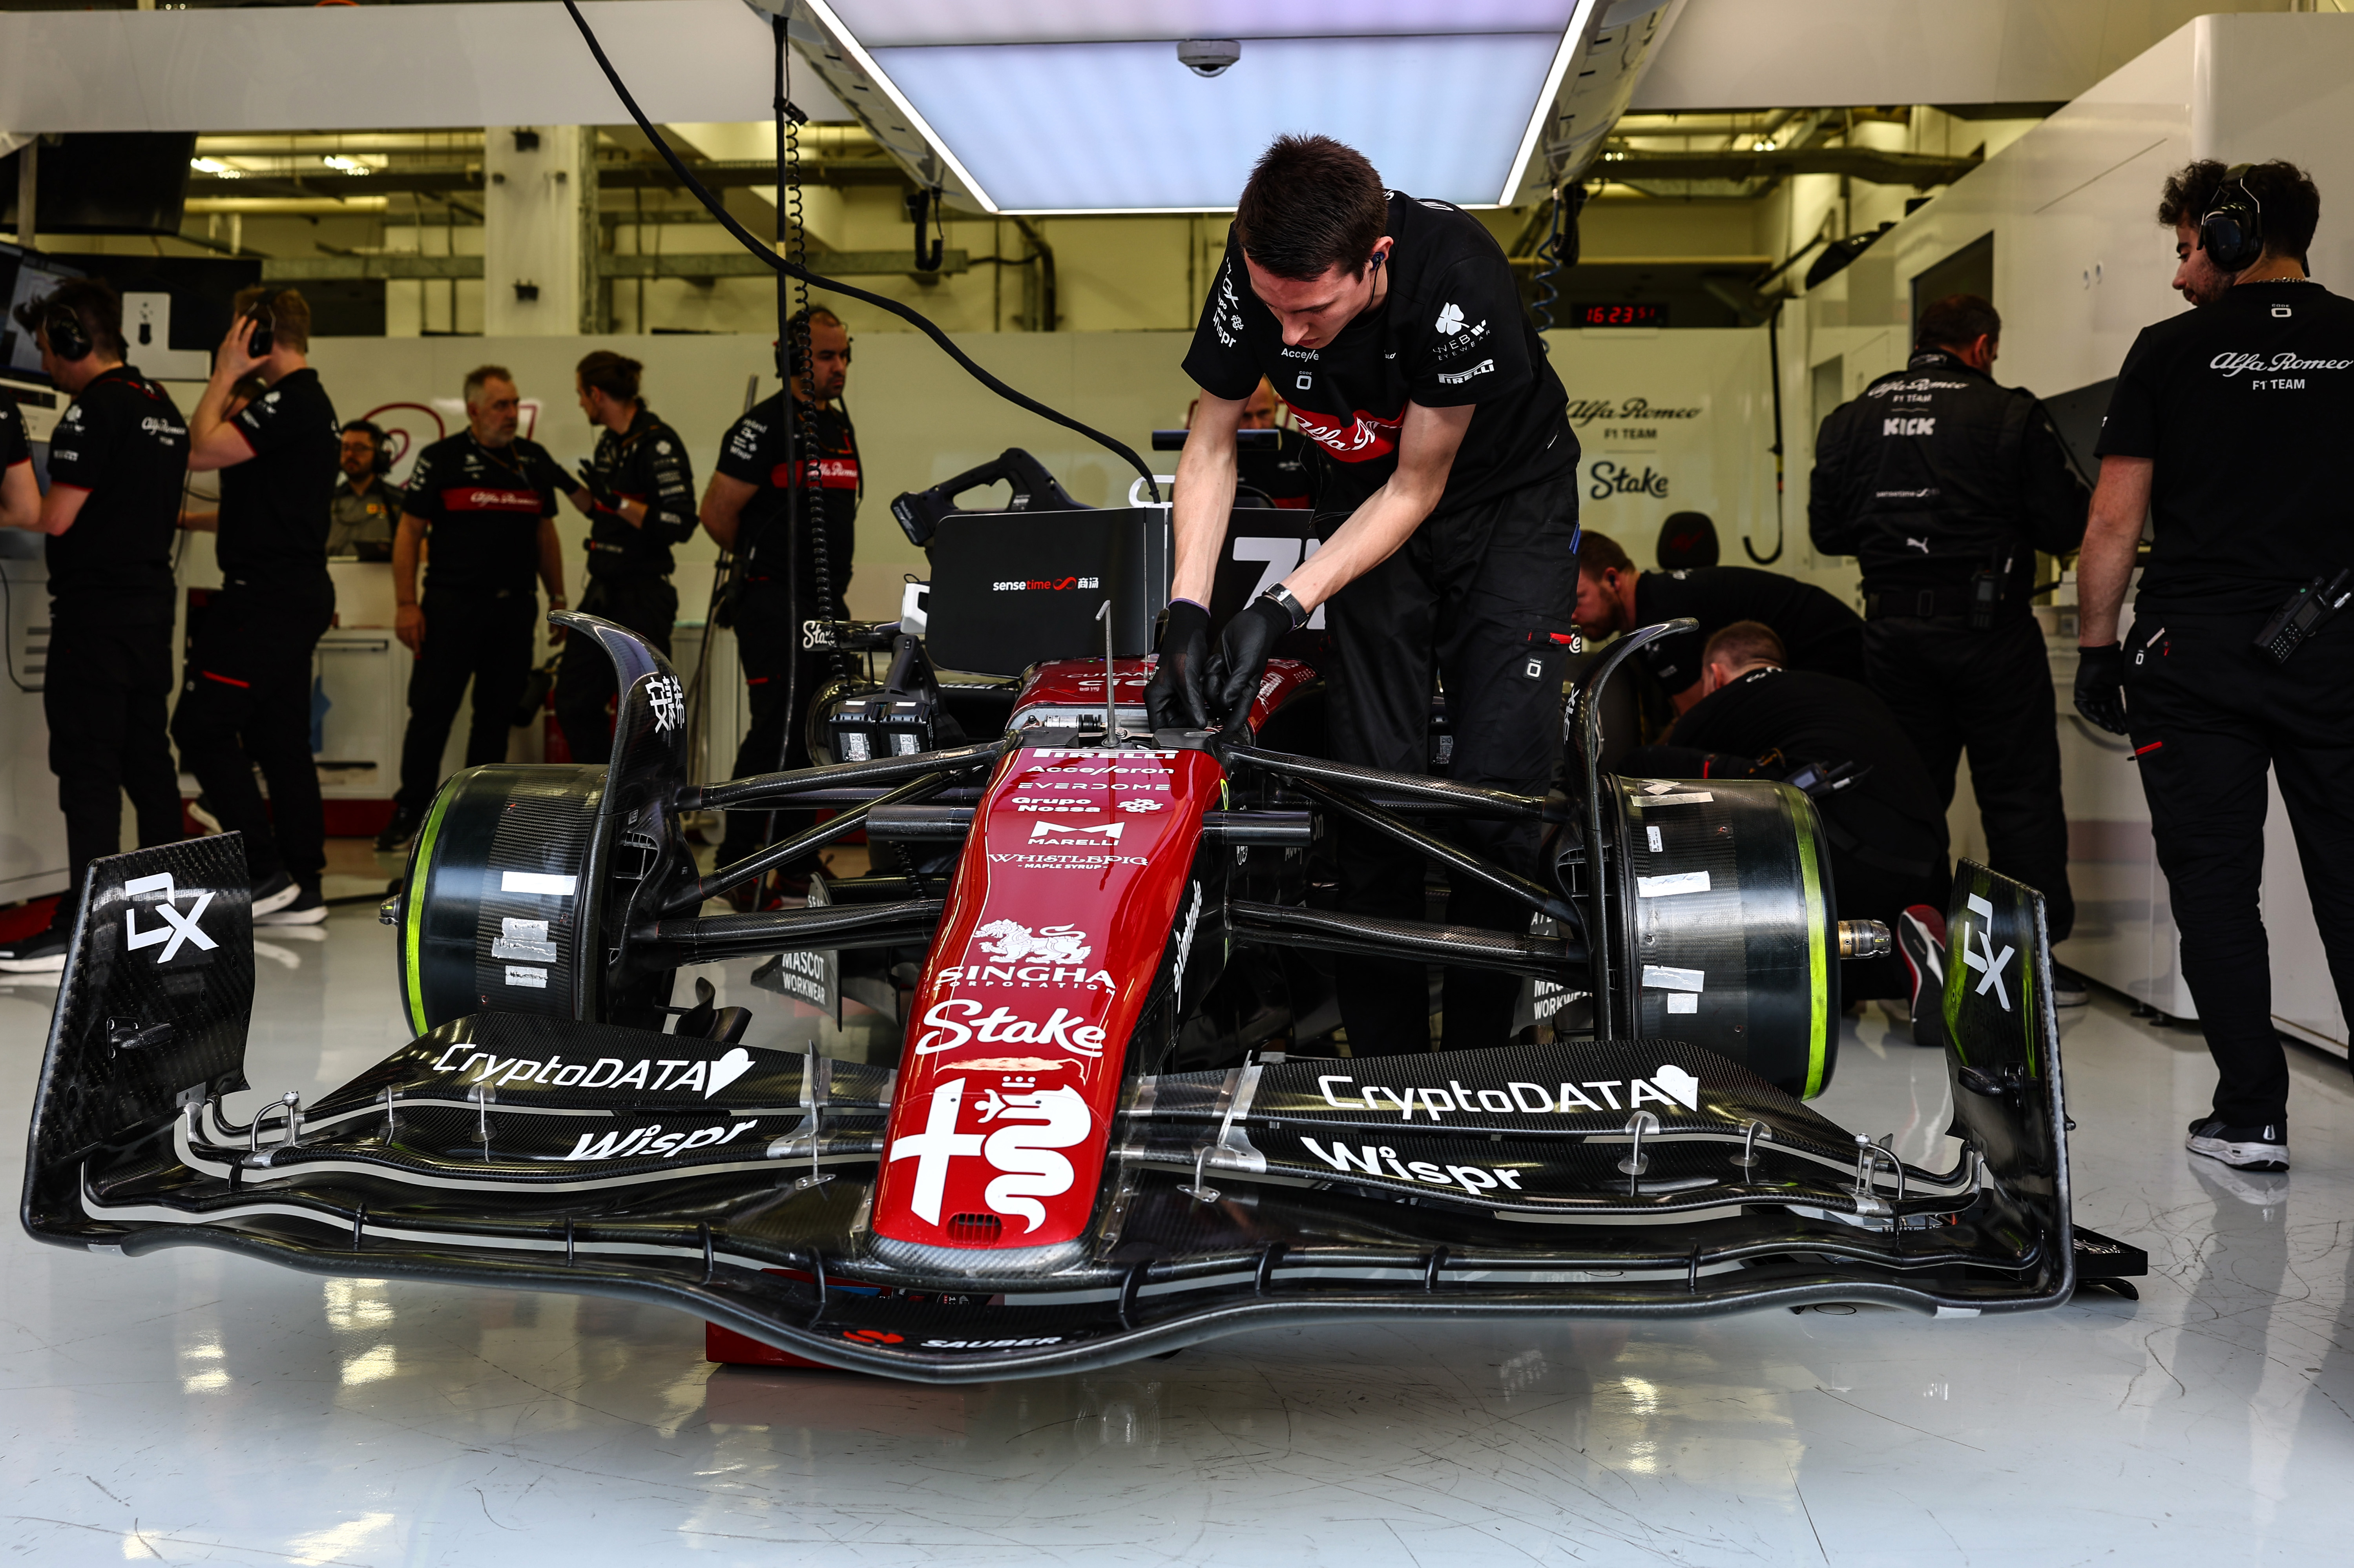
pixel 1449 511
pixel 1828 735
pixel 245 692
pixel 744 509
pixel 2227 429
pixel 639 498
pixel 1819 633
pixel 118 464
pixel 486 499
pixel 1944 485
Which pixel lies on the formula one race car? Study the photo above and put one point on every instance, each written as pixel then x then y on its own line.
pixel 1099 1136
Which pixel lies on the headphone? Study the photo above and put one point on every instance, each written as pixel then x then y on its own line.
pixel 794 345
pixel 383 464
pixel 2233 231
pixel 62 326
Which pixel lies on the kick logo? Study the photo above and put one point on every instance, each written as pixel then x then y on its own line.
pixel 176 928
pixel 1986 960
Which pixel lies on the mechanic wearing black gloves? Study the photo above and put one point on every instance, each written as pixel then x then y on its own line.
pixel 1448 510
pixel 245 690
pixel 1830 736
pixel 1820 633
pixel 639 498
pixel 2227 430
pixel 781 580
pixel 486 499
pixel 118 462
pixel 1944 485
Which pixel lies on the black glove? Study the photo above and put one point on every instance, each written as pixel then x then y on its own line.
pixel 600 493
pixel 1241 660
pixel 2100 687
pixel 1176 697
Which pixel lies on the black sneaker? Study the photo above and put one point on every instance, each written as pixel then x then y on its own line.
pixel 273 895
pixel 306 908
pixel 2069 989
pixel 2261 1148
pixel 201 810
pixel 1920 943
pixel 397 832
pixel 43 953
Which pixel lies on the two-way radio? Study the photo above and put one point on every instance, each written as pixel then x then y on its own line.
pixel 2304 614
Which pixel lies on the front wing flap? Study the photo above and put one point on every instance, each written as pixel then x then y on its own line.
pixel 1636 1179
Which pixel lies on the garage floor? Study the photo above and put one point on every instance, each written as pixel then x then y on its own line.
pixel 190 1407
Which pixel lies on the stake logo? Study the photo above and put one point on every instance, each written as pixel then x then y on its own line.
pixel 948 1024
pixel 1986 960
pixel 176 928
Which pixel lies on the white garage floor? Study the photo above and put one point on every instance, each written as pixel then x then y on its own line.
pixel 189 1407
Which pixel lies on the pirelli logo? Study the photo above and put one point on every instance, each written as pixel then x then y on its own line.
pixel 1916 425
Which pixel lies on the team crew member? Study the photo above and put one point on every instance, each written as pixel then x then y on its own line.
pixel 117 464
pixel 20 493
pixel 366 505
pixel 1818 632
pixel 1758 717
pixel 1448 510
pixel 1944 485
pixel 640 499
pixel 1286 475
pixel 486 499
pixel 245 693
pixel 744 506
pixel 2227 430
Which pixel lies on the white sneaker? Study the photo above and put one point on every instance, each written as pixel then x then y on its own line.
pixel 306 908
pixel 274 895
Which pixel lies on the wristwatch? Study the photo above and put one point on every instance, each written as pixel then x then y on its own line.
pixel 1289 602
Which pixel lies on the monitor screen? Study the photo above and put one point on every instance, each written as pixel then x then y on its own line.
pixel 25 276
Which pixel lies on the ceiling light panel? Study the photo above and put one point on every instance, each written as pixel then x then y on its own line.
pixel 1123 127
pixel 888 24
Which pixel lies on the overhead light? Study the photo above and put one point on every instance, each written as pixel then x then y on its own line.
pixel 1068 106
pixel 215 167
pixel 345 165
pixel 1761 146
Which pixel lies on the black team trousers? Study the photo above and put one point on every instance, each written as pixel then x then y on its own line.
pixel 583 676
pixel 767 641
pixel 2210 714
pixel 471 635
pixel 1989 693
pixel 1482 598
pixel 106 691
pixel 245 702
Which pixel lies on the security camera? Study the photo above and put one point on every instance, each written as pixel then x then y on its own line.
pixel 1208 56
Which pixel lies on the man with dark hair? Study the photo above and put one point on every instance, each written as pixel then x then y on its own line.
pixel 1821 633
pixel 1944 485
pixel 365 507
pixel 639 498
pixel 245 692
pixel 757 489
pixel 2227 430
pixel 486 499
pixel 118 462
pixel 1449 511
pixel 1832 736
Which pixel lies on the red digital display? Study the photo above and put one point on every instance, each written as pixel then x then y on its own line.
pixel 1650 315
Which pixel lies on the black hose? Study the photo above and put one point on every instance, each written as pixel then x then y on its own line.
pixel 1773 364
pixel 920 322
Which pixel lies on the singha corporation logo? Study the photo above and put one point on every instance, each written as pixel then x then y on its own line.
pixel 1010 942
pixel 668 699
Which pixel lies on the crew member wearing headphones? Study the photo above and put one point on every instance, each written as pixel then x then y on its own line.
pixel 2227 430
pixel 486 499
pixel 1448 507
pixel 746 507
pixel 1944 485
pixel 366 505
pixel 118 462
pixel 245 692
pixel 639 498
